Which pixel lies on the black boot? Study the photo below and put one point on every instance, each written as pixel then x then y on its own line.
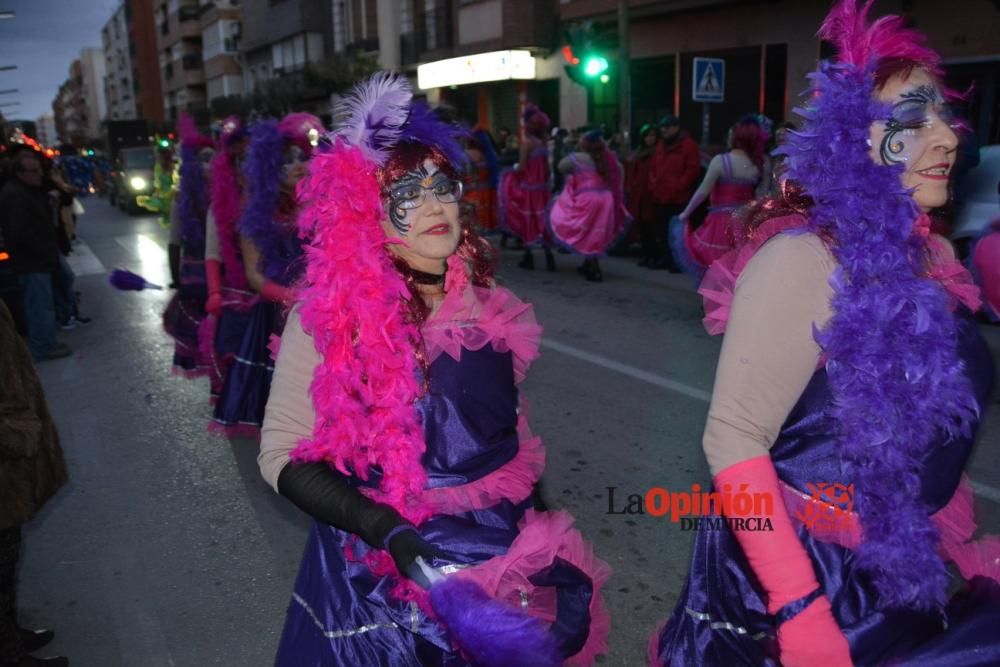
pixel 594 274
pixel 550 261
pixel 174 259
pixel 32 640
pixel 527 261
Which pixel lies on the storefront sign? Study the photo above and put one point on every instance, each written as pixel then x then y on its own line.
pixel 477 68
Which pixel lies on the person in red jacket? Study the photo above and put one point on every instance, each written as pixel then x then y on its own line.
pixel 672 178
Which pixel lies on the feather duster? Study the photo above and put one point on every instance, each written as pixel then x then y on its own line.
pixel 125 280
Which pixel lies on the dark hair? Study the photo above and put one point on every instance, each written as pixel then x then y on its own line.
pixel 593 144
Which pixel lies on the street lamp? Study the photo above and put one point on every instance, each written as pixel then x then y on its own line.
pixel 7 68
pixel 6 14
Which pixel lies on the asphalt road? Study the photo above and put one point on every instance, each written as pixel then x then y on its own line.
pixel 167 548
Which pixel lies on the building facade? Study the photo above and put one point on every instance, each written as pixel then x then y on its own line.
pixel 281 37
pixel 178 41
pixel 118 80
pixel 45 127
pixel 92 74
pixel 769 46
pixel 485 59
pixel 221 32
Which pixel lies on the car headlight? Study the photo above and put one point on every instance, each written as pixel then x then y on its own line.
pixel 137 183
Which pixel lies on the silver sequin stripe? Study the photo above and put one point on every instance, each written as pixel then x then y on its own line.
pixel 723 625
pixel 340 634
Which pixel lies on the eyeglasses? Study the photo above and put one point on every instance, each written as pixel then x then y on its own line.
pixel 408 196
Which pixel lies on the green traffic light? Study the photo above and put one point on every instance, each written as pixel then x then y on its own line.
pixel 164 143
pixel 605 78
pixel 595 65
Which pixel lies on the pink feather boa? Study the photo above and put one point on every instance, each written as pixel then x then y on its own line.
pixel 226 196
pixel 353 306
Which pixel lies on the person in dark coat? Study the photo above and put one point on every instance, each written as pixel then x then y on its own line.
pixel 32 470
pixel 30 234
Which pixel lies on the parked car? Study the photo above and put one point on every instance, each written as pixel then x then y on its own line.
pixel 132 177
pixel 980 203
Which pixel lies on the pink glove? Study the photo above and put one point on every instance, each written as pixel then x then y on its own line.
pixel 213 278
pixel 272 291
pixel 784 570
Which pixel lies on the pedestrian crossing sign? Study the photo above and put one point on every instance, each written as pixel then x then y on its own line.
pixel 709 80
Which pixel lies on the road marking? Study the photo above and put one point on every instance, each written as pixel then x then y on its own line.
pixel 83 261
pixel 624 369
pixel 145 247
pixel 982 490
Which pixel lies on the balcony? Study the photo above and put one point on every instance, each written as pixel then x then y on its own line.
pixel 188 13
pixel 191 61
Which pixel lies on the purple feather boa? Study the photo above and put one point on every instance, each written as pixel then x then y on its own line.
pixel 278 244
pixel 192 200
pixel 894 371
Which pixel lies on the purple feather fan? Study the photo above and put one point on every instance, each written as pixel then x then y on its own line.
pixel 489 632
pixel 125 280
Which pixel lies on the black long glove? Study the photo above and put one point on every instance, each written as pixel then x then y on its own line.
pixel 323 493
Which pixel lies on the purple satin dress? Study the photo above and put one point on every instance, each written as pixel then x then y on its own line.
pixel 186 310
pixel 342 614
pixel 721 617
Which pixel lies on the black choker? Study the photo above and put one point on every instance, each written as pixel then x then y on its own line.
pixel 423 278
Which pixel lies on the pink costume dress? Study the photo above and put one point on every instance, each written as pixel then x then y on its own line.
pixel 588 215
pixel 524 196
pixel 714 238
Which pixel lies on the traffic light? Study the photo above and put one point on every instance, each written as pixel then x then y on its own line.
pixel 586 62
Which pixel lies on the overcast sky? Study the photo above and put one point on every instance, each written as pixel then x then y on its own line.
pixel 44 39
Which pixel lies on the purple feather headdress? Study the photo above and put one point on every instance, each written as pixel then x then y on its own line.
pixel 192 198
pixel 379 114
pixel 276 240
pixel 893 366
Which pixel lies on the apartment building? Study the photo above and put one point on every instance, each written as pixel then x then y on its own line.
pixel 119 86
pixel 179 43
pixel 221 33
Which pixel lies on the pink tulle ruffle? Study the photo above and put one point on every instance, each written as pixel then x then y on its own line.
pixel 473 317
pixel 274 346
pixel 233 431
pixel 957 524
pixel 545 536
pixel 719 283
pixel 513 481
pixel 952 275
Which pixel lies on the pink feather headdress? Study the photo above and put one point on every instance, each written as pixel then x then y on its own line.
pixel 354 304
pixel 860 43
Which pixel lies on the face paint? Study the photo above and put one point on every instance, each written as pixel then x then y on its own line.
pixel 293 157
pixel 910 124
pixel 409 193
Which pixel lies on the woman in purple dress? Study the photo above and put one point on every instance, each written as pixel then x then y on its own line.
pixel 186 310
pixel 394 414
pixel 850 386
pixel 272 260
